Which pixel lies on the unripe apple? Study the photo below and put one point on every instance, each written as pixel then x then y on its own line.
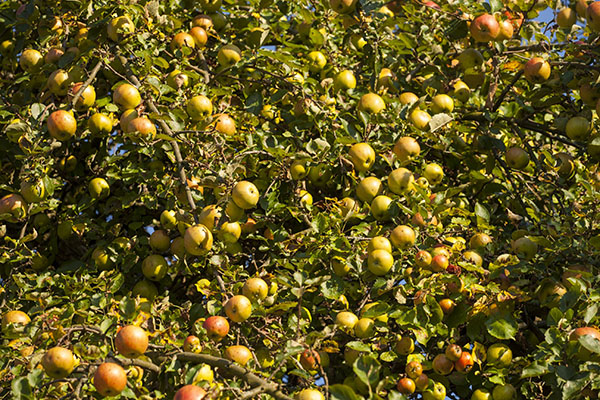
pixel 31 60
pixel 181 40
pixel 504 392
pixel 403 236
pixel 320 174
pixel 537 70
pixel 461 91
pixel 442 103
pixel 404 346
pixel 190 392
pixel 58 82
pixel 368 188
pixel 154 267
pixel 365 327
pixel 401 180
pixel 380 207
pixel 499 355
pixel 87 98
pixel 160 241
pixel 61 125
pixel 566 18
pixel 433 173
pixel 145 289
pixel 197 240
pixel 423 259
pixel 386 80
pixel 58 362
pixel 379 243
pixel 516 158
pixel 442 365
pixel 110 379
pixel 578 128
pixel 229 55
pixel 119 27
pixel 485 28
pixel 470 58
pixel 99 188
pixel 33 191
pixel 481 394
pixel 168 219
pixel 524 247
pixel 380 262
pixel 344 80
pixel 100 123
pixel 413 369
pixel 245 195
pixel 371 103
pixel 238 308
pixel 316 61
pixel 362 156
pixel 407 149
pixel 420 119
pixel 340 266
pixel 342 6
pixel 126 96
pixel 217 327
pixel 346 321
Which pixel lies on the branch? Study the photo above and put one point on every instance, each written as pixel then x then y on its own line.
pixel 505 91
pixel 139 363
pixel 544 130
pixel 169 132
pixel 86 83
pixel 236 370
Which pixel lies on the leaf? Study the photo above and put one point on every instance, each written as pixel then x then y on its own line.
pixel 342 392
pixel 590 313
pixel 482 212
pixel 367 368
pixel 534 369
pixel 496 5
pixel 502 326
pixel 439 120
pixel 590 343
pixel 359 346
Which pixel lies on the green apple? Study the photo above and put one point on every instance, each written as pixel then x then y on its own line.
pixel 99 188
pixel 380 262
pixel 316 61
pixel 362 156
pixel 401 180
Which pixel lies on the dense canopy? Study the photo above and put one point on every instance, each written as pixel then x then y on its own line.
pixel 338 199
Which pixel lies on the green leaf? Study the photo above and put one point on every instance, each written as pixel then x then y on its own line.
pixel 343 392
pixel 590 343
pixel 367 368
pixel 482 212
pixel 496 5
pixel 438 121
pixel 502 326
pixel 534 369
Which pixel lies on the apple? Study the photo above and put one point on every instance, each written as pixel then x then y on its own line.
pixel 225 125
pixel 33 191
pixel 380 262
pixel 119 27
pixel 499 355
pixel 365 327
pixel 507 30
pixel 479 241
pixel 344 80
pixel 126 117
pixel 406 149
pixel 473 257
pixel 229 55
pixel 14 323
pixel 160 241
pixel 320 174
pixel 368 188
pixel 58 362
pixel 316 61
pixel 524 247
pixel 566 18
pixel 442 365
pixel 31 60
pixel 298 170
pixel 255 289
pixel 380 207
pixel 516 158
pixel 589 94
pixel 190 392
pixel 238 354
pixel 578 128
pixel 126 96
pixel 583 354
pixel 154 267
pixel 442 103
pixel 470 58
pixel 504 392
pixel 101 259
pixel 537 70
pixel 145 289
pixel 310 359
pixel 404 346
pixel 407 98
pixel 453 352
pixel 168 219
pixel 238 308
pixel 423 259
pixel 550 293
pixel 401 180
pixel 387 79
pixel 197 240
pixel 217 327
pixel 346 321
pixel 447 305
pixel 61 125
pixel 379 243
pixel 182 39
pixel 100 123
pixel 439 263
pixel 340 266
pixel 592 16
pixel 420 119
pixel 99 188
pixel 87 98
pixel 245 195
pixel 362 156
pixel 461 91
pixel 481 394
pixel 305 199
pixel 433 173
pixel 131 341
pixel 199 35
pixel 178 79
pixel 350 355
pixel 403 236
pixel 110 379
pixel 371 103
pixel 413 369
pixel 7 47
pixel 422 382
pixel 191 344
pixel 343 6
pixel 464 363
pixel 406 386
pixel 310 394
pixel 58 82
pixel 485 28
pixel 438 392
pixel 581 7
pixel 142 127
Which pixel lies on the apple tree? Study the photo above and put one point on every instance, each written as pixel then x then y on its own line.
pixel 267 199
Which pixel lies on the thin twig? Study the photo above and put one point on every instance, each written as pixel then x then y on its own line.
pixel 86 83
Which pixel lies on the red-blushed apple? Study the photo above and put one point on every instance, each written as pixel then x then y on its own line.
pixel 537 70
pixel 464 363
pixel 131 341
pixel 190 392
pixel 406 386
pixel 217 327
pixel 485 28
pixel 310 359
pixel 110 379
pixel 61 125
pixel 413 369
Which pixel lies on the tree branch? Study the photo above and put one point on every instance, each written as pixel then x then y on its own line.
pixel 87 82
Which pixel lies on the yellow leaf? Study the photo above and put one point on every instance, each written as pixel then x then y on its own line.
pixel 512 66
